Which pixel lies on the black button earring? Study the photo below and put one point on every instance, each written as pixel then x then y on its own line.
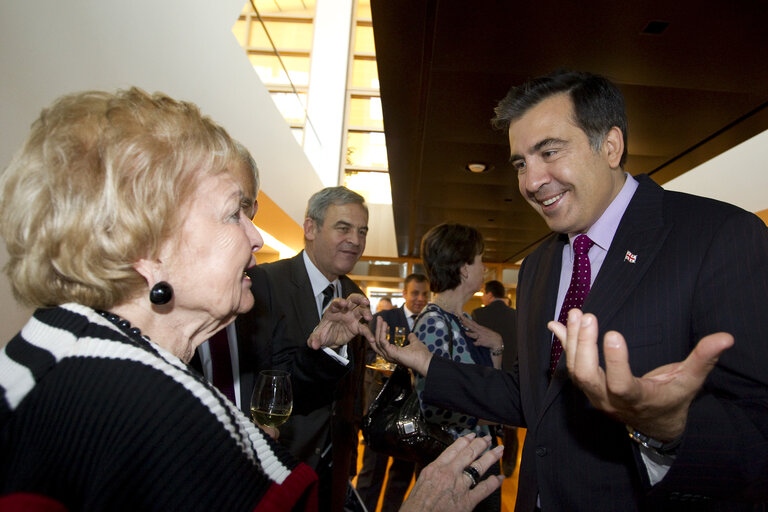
pixel 161 293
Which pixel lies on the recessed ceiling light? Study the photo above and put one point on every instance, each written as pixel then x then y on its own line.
pixel 477 167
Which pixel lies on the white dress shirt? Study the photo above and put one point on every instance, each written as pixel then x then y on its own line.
pixel 319 283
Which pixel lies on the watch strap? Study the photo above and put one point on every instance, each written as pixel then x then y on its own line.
pixel 664 448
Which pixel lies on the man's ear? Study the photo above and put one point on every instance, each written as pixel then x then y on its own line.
pixel 613 146
pixel 310 229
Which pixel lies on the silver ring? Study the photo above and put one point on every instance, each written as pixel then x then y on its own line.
pixel 473 475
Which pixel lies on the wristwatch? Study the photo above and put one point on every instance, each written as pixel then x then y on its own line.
pixel 660 447
pixel 498 351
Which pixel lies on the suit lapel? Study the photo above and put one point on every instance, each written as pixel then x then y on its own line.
pixel 402 320
pixel 542 276
pixel 638 240
pixel 303 297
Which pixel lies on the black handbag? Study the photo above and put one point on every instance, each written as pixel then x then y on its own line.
pixel 395 425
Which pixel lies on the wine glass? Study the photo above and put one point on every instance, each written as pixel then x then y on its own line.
pixel 400 336
pixel 272 398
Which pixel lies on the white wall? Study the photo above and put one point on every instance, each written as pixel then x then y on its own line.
pixel 327 88
pixel 184 48
pixel 738 176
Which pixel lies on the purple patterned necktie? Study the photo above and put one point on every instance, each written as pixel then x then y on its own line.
pixel 222 364
pixel 577 292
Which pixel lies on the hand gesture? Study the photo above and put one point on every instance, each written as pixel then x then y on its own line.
pixel 483 336
pixel 655 404
pixel 343 320
pixel 444 486
pixel 415 355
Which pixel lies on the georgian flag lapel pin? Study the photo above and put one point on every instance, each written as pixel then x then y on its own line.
pixel 632 258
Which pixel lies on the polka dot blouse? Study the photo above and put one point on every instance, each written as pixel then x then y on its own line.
pixel 434 328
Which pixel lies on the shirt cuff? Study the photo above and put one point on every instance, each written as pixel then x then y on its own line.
pixel 341 356
pixel 656 464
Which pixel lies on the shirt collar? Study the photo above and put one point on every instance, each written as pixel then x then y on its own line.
pixel 317 279
pixel 602 231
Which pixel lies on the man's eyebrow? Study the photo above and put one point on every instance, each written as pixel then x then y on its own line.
pixel 544 143
pixel 552 141
pixel 345 224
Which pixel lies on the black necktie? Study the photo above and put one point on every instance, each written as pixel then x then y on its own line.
pixel 328 294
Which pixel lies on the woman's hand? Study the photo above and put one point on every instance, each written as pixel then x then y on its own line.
pixel 483 336
pixel 445 487
pixel 415 355
pixel 343 320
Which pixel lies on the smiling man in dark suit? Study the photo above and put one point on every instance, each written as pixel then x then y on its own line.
pixel 671 272
pixel 322 429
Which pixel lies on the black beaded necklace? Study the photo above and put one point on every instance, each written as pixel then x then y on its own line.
pixel 123 324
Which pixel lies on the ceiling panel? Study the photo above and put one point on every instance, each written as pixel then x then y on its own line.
pixel 443 66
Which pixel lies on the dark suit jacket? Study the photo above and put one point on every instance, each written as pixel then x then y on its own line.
pixel 700 268
pixel 501 318
pixel 394 317
pixel 255 331
pixel 327 395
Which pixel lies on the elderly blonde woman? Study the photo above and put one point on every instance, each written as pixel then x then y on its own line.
pixel 127 221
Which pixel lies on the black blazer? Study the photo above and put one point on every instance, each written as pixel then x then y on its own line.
pixel 501 318
pixel 700 268
pixel 327 394
pixel 394 317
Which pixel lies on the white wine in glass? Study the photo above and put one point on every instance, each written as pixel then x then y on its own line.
pixel 272 398
pixel 400 336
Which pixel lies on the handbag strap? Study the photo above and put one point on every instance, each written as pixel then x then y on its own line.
pixel 449 324
pixel 450 333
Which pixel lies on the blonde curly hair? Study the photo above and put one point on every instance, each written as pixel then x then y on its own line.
pixel 96 187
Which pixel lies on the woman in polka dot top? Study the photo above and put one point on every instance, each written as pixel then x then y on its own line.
pixel 452 255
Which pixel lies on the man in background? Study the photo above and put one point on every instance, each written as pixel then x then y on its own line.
pixel 327 383
pixel 384 305
pixel 498 316
pixel 371 477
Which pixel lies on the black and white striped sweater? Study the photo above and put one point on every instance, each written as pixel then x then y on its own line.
pixel 97 420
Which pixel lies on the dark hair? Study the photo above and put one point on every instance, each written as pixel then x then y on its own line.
pixel 598 104
pixel 495 288
pixel 419 278
pixel 445 249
